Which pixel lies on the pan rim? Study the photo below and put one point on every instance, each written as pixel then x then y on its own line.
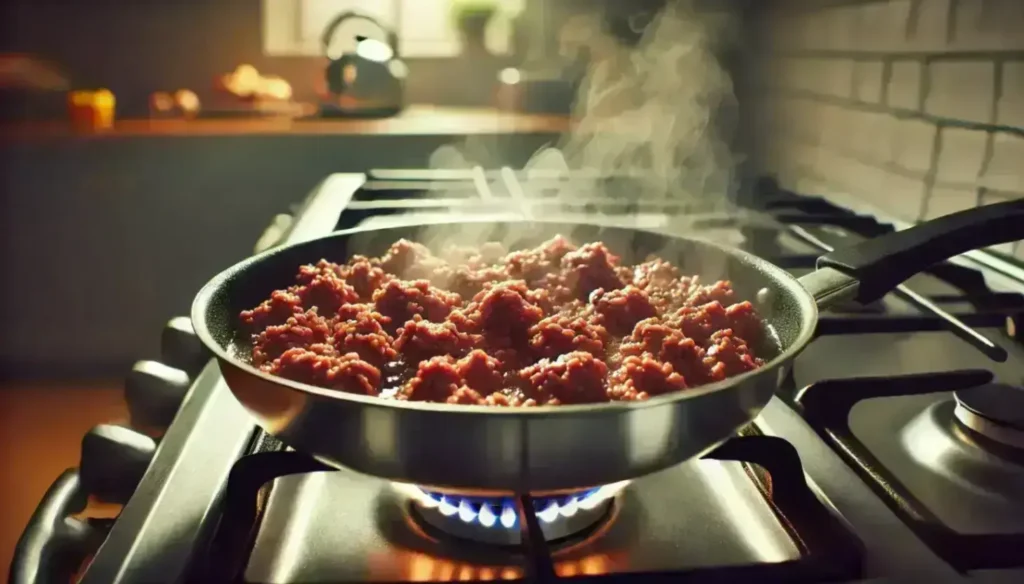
pixel 807 327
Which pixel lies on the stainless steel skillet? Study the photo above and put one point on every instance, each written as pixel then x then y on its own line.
pixel 563 447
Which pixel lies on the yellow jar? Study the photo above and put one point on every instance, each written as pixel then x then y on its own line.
pixel 92 110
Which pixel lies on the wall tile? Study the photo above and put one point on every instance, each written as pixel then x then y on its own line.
pixel 932 26
pixel 1005 169
pixel 912 144
pixel 883 26
pixel 946 200
pixel 989 25
pixel 905 85
pixel 962 90
pixel 886 153
pixel 961 155
pixel 1010 109
pixel 902 196
pixel 868 79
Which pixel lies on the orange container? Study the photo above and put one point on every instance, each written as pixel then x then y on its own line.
pixel 91 110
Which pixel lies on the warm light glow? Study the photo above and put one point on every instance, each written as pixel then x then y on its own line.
pixel 93 110
pixel 510 76
pixel 420 567
pixel 374 50
pixel 187 101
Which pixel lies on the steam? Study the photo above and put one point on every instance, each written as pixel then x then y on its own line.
pixel 649 114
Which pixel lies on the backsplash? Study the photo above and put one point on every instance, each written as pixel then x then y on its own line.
pixel 915 107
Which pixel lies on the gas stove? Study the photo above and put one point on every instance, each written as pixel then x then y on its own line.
pixel 893 452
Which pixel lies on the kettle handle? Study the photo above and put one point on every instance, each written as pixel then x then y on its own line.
pixel 332 29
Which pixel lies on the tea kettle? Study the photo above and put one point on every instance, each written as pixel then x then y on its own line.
pixel 364 76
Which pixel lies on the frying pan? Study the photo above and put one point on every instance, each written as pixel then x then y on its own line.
pixel 556 448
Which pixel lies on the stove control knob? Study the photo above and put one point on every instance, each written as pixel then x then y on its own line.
pixel 181 348
pixel 114 459
pixel 154 392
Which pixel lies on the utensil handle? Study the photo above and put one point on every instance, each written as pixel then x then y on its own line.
pixel 882 263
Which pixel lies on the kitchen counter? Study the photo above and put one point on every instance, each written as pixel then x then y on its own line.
pixel 42 425
pixel 417 120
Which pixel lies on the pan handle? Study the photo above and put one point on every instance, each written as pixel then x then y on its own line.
pixel 871 269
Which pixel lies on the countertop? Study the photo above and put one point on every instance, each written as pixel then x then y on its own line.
pixel 417 120
pixel 41 430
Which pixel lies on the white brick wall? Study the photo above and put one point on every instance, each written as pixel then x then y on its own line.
pixel 916 106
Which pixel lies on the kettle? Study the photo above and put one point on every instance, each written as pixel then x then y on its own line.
pixel 364 76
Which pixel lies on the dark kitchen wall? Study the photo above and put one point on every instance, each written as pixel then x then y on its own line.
pixel 134 48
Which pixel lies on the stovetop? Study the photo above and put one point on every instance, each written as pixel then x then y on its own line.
pixel 856 471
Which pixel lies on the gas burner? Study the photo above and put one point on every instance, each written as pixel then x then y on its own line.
pixel 995 411
pixel 495 519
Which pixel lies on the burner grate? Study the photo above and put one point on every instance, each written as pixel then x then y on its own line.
pixel 827 406
pixel 829 551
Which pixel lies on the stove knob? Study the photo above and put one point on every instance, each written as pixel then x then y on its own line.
pixel 114 459
pixel 181 348
pixel 154 392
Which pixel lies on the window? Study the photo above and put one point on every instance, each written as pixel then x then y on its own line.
pixel 425 27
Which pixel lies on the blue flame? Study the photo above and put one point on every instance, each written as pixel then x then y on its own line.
pixel 492 511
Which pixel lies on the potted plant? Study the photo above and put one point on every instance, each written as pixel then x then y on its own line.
pixel 471 18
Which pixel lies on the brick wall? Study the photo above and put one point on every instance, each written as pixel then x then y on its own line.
pixel 913 106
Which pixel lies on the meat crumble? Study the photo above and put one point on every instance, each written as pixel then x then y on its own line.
pixel 555 324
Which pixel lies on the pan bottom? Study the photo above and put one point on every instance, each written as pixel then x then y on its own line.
pixel 495 520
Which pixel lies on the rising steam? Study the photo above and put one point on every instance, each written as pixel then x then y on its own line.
pixel 648 112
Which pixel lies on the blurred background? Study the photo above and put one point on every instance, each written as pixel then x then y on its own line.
pixel 147 145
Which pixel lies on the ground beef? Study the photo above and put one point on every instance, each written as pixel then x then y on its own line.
pixel 621 309
pixel 554 324
pixel 300 330
pixel 365 277
pixel 729 355
pixel 573 378
pixel 535 263
pixel 509 398
pixel 745 322
pixel 505 311
pixel 699 322
pixel 468 282
pixel 327 293
pixel 667 344
pixel 720 292
pixel 591 267
pixel 480 372
pixel 662 282
pixel 655 274
pixel 400 300
pixel 360 311
pixel 275 310
pixel 436 380
pixel 467 397
pixel 365 336
pixel 421 339
pixel 322 268
pixel 641 377
pixel 564 333
pixel 322 366
pixel 402 255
